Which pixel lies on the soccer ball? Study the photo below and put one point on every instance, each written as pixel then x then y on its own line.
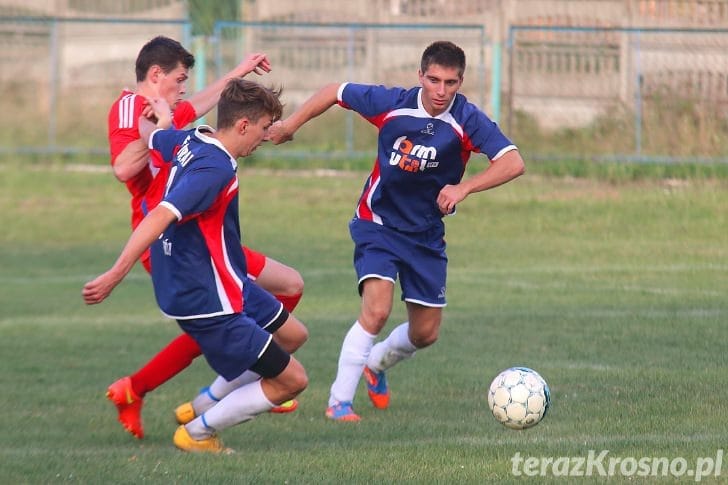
pixel 519 397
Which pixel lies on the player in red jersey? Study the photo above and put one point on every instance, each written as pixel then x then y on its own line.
pixel 162 68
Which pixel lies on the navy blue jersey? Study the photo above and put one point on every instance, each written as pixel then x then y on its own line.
pixel 198 266
pixel 417 154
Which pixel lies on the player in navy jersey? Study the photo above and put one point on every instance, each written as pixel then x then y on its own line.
pixel 426 136
pixel 198 266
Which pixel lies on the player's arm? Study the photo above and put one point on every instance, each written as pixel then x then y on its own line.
pixel 501 170
pixel 283 131
pixel 134 157
pixel 203 101
pixel 154 224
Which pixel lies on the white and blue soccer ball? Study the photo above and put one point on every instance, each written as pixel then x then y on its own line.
pixel 519 397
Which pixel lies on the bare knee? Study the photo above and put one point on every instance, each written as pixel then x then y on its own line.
pixel 292 335
pixel 422 341
pixel 297 381
pixel 293 284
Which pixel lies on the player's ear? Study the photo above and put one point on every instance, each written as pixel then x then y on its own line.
pixel 242 125
pixel 153 73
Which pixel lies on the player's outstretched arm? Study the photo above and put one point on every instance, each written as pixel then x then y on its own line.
pixel 283 131
pixel 96 290
pixel 203 101
pixel 501 170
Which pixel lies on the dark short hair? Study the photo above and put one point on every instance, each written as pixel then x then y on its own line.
pixel 443 53
pixel 164 52
pixel 247 99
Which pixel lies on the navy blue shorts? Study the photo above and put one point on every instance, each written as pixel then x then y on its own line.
pixel 418 259
pixel 262 307
pixel 231 344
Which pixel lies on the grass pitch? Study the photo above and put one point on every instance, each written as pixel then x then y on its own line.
pixel 615 293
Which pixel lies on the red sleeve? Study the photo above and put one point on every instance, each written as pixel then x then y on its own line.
pixel 124 122
pixel 183 115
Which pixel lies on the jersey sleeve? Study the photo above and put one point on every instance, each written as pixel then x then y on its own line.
pixel 484 135
pixel 165 143
pixel 183 115
pixel 123 123
pixel 196 190
pixel 369 100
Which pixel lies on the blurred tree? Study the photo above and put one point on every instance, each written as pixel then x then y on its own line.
pixel 204 13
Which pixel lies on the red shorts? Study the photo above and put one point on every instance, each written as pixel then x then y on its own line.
pixel 256 262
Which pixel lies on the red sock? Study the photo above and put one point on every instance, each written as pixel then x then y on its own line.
pixel 289 302
pixel 168 362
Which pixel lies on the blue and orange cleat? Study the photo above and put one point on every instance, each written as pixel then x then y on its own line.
pixel 377 388
pixel 342 411
pixel 128 404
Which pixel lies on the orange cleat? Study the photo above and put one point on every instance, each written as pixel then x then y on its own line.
pixel 377 388
pixel 286 407
pixel 129 405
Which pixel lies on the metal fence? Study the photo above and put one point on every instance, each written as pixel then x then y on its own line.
pixel 559 92
pixel 59 76
pixel 641 94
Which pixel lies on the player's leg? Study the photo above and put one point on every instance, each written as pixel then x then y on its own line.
pixel 283 377
pixel 269 314
pixel 423 280
pixel 243 404
pixel 376 305
pixel 128 393
pixel 376 267
pixel 295 334
pixel 420 331
pixel 284 282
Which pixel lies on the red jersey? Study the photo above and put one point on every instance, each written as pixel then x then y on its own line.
pixel 123 126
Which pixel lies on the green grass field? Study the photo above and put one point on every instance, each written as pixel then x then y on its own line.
pixel 615 293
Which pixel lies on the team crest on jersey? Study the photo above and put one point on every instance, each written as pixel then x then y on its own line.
pixel 429 129
pixel 412 158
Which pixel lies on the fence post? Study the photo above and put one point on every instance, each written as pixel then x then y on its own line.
pixel 495 81
pixel 53 88
pixel 198 43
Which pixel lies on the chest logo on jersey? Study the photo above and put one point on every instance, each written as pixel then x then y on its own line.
pixel 412 158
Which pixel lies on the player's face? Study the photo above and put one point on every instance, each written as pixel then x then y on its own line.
pixel 439 84
pixel 173 85
pixel 257 133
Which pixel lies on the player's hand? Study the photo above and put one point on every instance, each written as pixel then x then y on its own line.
pixel 257 63
pixel 96 290
pixel 158 111
pixel 448 197
pixel 278 133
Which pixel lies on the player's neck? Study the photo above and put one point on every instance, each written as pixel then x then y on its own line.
pixel 146 89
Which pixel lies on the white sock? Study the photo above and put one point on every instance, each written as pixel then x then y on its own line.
pixel 354 353
pixel 220 388
pixel 395 348
pixel 242 404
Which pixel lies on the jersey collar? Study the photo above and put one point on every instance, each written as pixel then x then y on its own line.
pixel 444 114
pixel 202 132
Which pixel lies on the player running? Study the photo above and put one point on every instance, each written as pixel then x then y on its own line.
pixel 426 136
